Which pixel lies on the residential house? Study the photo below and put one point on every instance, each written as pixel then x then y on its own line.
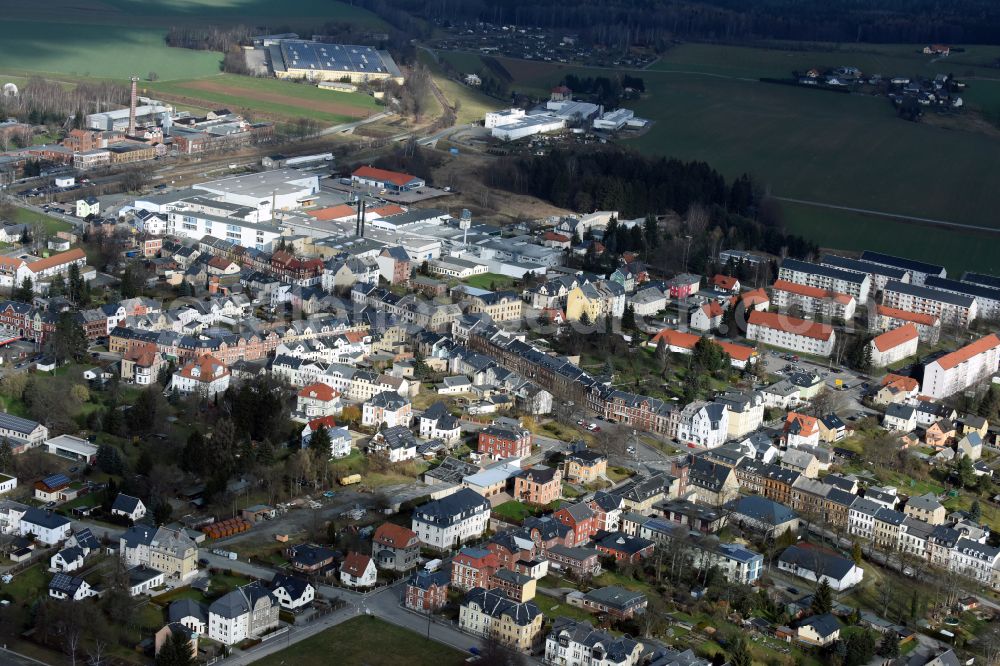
pixel 63 586
pixel 517 625
pixel 504 441
pixel 803 462
pixel 819 630
pixel 575 643
pixel 292 592
pixel 584 466
pixel 538 485
pixel 427 591
pixel 437 423
pixel 894 345
pixel 615 601
pixel 900 418
pixel 449 521
pixel 801 430
pixel 318 400
pixel 128 507
pixel 745 412
pixel 249 611
pixel 394 444
pixel 387 407
pixel 395 547
pixel 926 508
pixel 715 483
pixel 47 527
pixel 763 516
pixel 358 570
pixel 704 424
pixel 787 332
pixel 818 565
pixel 581 520
pixel 205 376
pixel 624 548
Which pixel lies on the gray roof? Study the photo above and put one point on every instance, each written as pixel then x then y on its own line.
pixel 616 649
pixel 183 608
pixel 616 597
pixel 452 508
pixel 901 262
pixel 812 559
pixel 17 424
pixel 496 604
pixel 826 271
pixel 930 294
pixel 762 509
pixel 241 600
pixel 825 624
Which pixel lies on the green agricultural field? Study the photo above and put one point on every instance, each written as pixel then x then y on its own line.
pixel 97 51
pixel 279 99
pixel 352 642
pixel 954 249
pixel 263 14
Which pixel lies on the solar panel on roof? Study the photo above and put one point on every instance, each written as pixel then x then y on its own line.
pixel 55 480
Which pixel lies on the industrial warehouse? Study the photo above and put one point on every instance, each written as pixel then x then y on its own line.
pixel 318 61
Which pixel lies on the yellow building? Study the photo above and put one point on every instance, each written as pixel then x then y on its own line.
pixel 584 299
pixel 585 466
pixel 515 624
pixel 174 553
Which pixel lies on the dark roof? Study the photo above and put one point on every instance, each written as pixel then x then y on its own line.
pixel 812 559
pixel 309 555
pixel 930 294
pixel 65 583
pixel 183 608
pixel 42 518
pixel 452 508
pixel 125 503
pixel 294 585
pixel 824 625
pixel 496 604
pixel 762 509
pixel 826 271
pixel 901 262
pixel 241 600
pixel 617 650
pixel 539 474
pixel 425 580
pixel 623 543
pixel 616 597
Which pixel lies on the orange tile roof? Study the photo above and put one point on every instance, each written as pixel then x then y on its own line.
pixel 333 212
pixel 674 338
pixel 325 421
pixel 395 536
pixel 318 391
pixel 895 337
pixel 387 210
pixel 906 315
pixel 57 259
pixel 712 309
pixel 355 336
pixel 737 352
pixel 793 325
pixel 207 365
pixel 724 281
pixel 899 381
pixel 755 297
pixel 807 424
pixel 980 346
pixel 384 175
pixel 812 292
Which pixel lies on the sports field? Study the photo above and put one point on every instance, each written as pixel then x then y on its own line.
pixel 276 99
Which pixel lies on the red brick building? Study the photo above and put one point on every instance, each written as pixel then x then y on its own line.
pixel 581 519
pixel 500 441
pixel 427 591
pixel 473 567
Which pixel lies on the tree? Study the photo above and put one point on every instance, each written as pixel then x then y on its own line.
pixel 109 460
pixel 822 600
pixel 25 292
pixel 888 647
pixel 6 456
pixel 320 444
pixel 68 341
pixel 628 318
pixel 856 553
pixel 176 651
pixel 739 653
pixel 975 511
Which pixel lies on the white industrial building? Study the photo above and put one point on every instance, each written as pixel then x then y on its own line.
pixel 190 224
pixel 267 192
pixel 118 119
pixel 528 126
pixel 615 120
pixel 501 118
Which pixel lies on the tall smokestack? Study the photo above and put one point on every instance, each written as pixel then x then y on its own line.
pixel 131 105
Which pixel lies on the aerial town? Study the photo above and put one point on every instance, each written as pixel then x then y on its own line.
pixel 486 387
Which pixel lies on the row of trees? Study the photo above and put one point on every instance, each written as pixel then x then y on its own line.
pixel 41 101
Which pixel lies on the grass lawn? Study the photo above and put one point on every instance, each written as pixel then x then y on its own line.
pixel 490 281
pixel 352 643
pixel 614 578
pixel 991 515
pixel 27 585
pixel 279 99
pixel 513 511
pixel 552 608
pixel 51 224
pixel 619 474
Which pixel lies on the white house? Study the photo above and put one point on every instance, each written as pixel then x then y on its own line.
pixel 292 592
pixel 87 207
pixel 575 643
pixel 437 423
pixel 387 407
pixel 63 586
pixel 340 436
pixel 358 571
pixel 452 520
pixel 816 565
pixel 318 400
pixel 206 376
pixel 246 612
pixel 68 559
pixel 143 579
pixel 47 527
pixel 396 443
pixel 705 424
pixel 128 507
pixel 962 368
pixel 900 417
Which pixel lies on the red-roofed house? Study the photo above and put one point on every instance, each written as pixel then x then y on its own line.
pixel 205 375
pixel 678 342
pixel 897 389
pixel 316 400
pixel 755 300
pixel 552 239
pixel 395 547
pixel 894 345
pixel 786 332
pixel 974 363
pixel 726 283
pixel 358 571
pixel 801 430
pixel 708 317
pixel 813 300
pixel 393 181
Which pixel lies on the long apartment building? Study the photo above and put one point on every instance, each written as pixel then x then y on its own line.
pixel 987 298
pixel 791 333
pixel 953 309
pixel 813 300
pixel 827 278
pixel 886 318
pixel 878 274
pixel 919 270
pixel 974 363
